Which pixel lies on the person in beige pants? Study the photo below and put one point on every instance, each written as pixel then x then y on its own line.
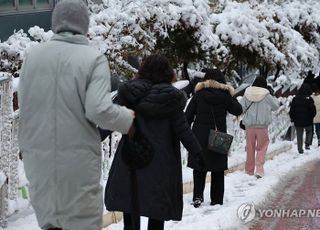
pixel 258 104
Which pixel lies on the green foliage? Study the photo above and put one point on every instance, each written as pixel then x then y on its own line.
pixel 181 45
pixel 306 30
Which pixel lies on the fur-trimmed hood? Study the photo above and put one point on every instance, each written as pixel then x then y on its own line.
pixel 256 94
pixel 215 85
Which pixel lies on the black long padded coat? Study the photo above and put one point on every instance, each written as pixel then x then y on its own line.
pixel 160 106
pixel 302 108
pixel 211 97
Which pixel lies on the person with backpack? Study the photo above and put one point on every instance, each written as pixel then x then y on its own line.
pixel 160 126
pixel 208 109
pixel 258 104
pixel 302 111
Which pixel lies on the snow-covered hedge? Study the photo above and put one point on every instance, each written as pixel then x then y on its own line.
pixel 266 35
pixel 120 28
pixel 279 35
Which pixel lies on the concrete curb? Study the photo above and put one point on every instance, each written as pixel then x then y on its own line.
pixel 115 217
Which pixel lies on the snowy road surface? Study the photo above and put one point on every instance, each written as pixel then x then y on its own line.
pixel 240 189
pixel 297 202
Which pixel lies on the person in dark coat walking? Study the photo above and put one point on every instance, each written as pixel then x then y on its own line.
pixel 302 111
pixel 212 96
pixel 160 107
pixel 310 79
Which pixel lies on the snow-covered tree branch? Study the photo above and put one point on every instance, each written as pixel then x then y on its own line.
pixel 273 35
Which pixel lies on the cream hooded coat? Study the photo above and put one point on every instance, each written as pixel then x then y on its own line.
pixel 259 113
pixel 64 93
pixel 316 99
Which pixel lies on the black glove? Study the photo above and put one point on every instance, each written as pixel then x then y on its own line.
pixel 198 157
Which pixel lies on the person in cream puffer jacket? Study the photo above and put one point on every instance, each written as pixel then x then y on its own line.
pixel 257 119
pixel 316 119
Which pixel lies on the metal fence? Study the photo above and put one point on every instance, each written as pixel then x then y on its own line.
pixel 277 129
pixel 9 153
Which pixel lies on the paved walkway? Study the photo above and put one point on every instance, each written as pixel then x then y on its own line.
pixel 297 198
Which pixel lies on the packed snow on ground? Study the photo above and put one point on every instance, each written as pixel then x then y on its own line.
pixel 239 189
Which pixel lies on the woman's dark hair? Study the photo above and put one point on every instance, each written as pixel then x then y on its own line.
pixel 214 74
pixel 157 69
pixel 260 82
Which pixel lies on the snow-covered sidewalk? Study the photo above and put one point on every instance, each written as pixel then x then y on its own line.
pixel 239 189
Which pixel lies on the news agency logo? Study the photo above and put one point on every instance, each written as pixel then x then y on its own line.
pixel 246 212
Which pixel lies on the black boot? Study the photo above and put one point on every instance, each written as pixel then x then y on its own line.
pixel 197 202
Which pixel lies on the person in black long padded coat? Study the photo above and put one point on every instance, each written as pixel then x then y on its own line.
pixel 160 106
pixel 302 111
pixel 212 96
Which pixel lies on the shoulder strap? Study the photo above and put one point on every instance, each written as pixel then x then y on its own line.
pixel 214 119
pixel 247 108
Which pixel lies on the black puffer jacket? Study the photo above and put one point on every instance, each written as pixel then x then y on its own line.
pixel 164 124
pixel 302 109
pixel 211 97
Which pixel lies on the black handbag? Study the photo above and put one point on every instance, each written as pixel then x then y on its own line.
pixel 219 142
pixel 137 152
pixel 290 134
pixel 242 126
